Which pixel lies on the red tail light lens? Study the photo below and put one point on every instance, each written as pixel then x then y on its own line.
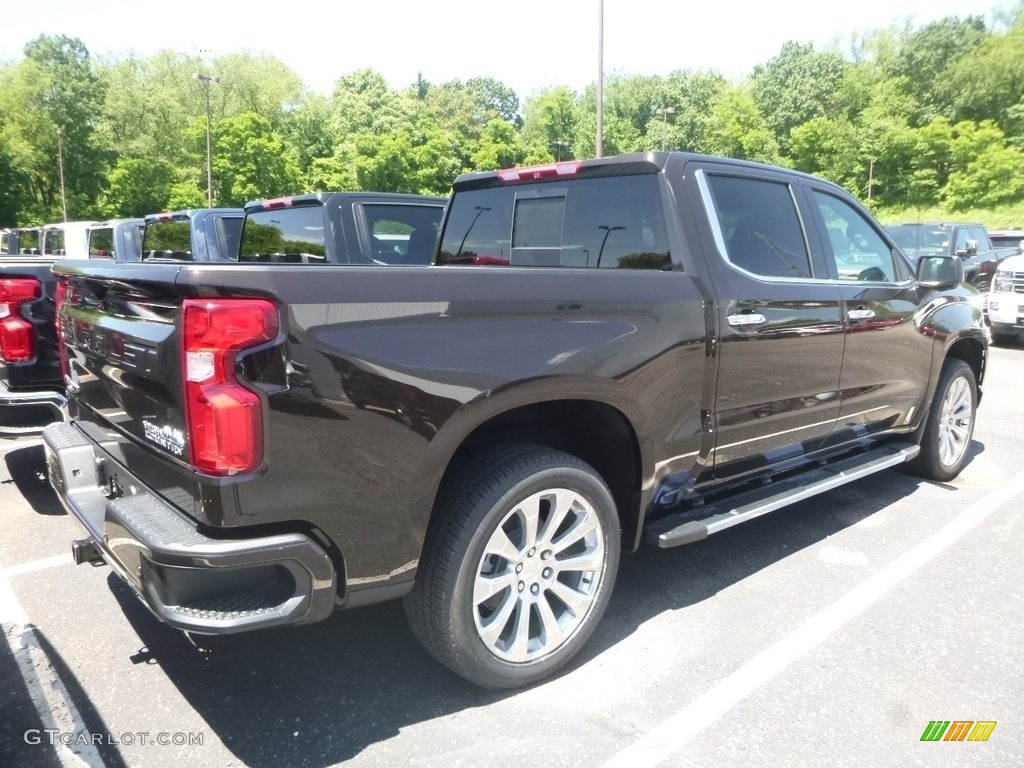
pixel 17 337
pixel 225 422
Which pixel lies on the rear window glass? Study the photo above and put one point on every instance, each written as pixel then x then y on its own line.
pixel 167 240
pixel 284 236
pixel 608 222
pixel 402 234
pixel 101 243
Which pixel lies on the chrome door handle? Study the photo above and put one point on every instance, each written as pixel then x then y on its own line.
pixel 860 314
pixel 743 320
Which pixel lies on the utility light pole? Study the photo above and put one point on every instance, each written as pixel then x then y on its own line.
pixel 600 78
pixel 60 162
pixel 206 80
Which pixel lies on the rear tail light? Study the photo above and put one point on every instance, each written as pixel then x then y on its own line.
pixel 17 336
pixel 225 420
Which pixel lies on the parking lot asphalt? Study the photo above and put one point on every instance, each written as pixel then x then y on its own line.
pixel 829 633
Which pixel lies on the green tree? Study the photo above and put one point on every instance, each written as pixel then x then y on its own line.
pixel 737 128
pixel 924 58
pixel 987 82
pixel 250 161
pixel 797 85
pixel 53 89
pixel 136 187
pixel 551 116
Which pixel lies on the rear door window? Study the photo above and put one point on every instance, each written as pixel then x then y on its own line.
pixel 759 226
pixel 53 242
pixel 400 233
pixel 101 243
pixel 284 236
pixel 28 241
pixel 608 223
pixel 167 240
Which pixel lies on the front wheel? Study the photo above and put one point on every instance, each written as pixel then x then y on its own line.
pixel 518 566
pixel 947 433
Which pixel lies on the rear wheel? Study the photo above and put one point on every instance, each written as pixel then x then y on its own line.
pixel 947 433
pixel 518 566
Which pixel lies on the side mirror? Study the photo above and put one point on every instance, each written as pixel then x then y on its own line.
pixel 940 271
pixel 971 249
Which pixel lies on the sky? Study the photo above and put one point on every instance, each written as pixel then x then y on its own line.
pixel 525 44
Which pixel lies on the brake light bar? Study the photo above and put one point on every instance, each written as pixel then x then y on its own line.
pixel 279 202
pixel 163 217
pixel 224 418
pixel 17 336
pixel 535 172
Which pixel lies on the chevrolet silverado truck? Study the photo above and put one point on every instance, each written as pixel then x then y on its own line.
pixel 117 239
pixel 646 349
pixel 1006 300
pixel 970 242
pixel 195 234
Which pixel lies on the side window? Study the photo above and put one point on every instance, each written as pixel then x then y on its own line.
pixel 402 234
pixel 53 242
pixel 962 236
pixel 101 243
pixel 980 236
pixel 760 227
pixel 859 251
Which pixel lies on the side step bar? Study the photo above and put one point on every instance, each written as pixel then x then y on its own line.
pixel 683 528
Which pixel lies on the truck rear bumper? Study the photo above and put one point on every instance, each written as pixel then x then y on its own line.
pixel 187 579
pixel 45 398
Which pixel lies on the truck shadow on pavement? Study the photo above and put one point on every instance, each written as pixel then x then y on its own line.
pixel 27 468
pixel 321 694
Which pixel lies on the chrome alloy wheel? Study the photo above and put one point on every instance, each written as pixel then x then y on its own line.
pixel 539 575
pixel 955 421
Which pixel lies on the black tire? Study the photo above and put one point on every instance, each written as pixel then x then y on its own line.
pixel 1003 339
pixel 476 637
pixel 946 438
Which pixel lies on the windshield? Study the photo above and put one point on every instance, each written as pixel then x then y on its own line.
pixel 920 240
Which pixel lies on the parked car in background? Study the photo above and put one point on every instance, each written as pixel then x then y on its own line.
pixel 968 241
pixel 68 239
pixel 117 239
pixel 1006 300
pixel 8 242
pixel 1007 242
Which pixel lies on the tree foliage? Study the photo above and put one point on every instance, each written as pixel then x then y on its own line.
pixel 909 116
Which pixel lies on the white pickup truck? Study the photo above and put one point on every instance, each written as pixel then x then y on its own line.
pixel 1006 300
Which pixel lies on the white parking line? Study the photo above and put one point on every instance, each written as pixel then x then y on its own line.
pixel 686 724
pixel 51 699
pixel 37 565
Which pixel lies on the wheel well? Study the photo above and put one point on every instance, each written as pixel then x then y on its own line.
pixel 596 433
pixel 971 352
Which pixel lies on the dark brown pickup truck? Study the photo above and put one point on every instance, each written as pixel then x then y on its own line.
pixel 647 348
